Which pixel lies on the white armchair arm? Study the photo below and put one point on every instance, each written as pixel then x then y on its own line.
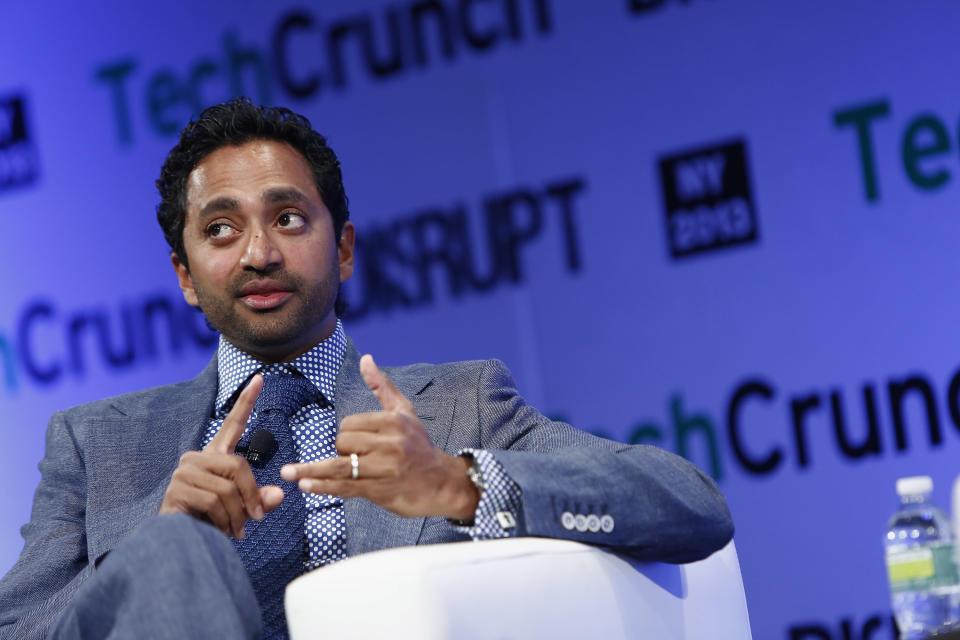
pixel 518 588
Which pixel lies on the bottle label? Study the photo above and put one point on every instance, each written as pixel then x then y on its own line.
pixel 921 568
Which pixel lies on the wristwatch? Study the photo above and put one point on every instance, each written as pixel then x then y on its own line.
pixel 476 477
pixel 475 474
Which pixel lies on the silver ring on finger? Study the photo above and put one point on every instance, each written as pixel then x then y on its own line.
pixel 354 466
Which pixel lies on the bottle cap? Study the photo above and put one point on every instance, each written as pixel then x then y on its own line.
pixel 914 485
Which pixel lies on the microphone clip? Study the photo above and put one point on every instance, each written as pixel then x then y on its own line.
pixel 259 449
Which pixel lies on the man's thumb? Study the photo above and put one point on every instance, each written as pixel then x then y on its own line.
pixel 382 387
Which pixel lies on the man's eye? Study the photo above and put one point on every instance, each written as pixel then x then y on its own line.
pixel 290 220
pixel 219 230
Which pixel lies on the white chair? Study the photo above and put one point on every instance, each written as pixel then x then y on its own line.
pixel 518 588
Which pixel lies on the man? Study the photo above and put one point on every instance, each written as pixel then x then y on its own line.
pixel 147 520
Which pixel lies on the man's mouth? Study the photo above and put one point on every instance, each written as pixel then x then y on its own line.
pixel 265 294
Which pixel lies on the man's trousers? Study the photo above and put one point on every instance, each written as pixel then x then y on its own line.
pixel 173 577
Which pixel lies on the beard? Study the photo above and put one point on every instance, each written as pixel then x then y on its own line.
pixel 252 330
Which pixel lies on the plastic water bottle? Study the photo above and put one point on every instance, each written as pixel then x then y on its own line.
pixel 921 564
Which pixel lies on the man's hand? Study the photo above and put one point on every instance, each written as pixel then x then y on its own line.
pixel 400 469
pixel 218 487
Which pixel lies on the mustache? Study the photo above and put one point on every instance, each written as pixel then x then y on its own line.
pixel 290 280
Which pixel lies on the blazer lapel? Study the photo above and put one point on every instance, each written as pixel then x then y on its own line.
pixel 369 526
pixel 142 442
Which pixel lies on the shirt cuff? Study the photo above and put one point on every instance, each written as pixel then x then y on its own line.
pixel 498 512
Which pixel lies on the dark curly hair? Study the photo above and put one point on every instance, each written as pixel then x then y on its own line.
pixel 235 123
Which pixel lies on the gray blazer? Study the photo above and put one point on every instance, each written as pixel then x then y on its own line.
pixel 108 464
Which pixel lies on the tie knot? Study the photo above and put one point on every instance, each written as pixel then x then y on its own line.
pixel 285 393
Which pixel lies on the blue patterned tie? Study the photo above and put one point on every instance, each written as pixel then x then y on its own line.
pixel 274 549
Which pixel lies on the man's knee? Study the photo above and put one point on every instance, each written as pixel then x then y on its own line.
pixel 167 541
pixel 177 530
pixel 172 572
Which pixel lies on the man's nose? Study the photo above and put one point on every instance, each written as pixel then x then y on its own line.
pixel 261 252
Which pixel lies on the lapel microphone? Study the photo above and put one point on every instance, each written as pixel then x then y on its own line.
pixel 261 448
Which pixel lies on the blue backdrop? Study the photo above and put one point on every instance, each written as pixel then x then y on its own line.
pixel 727 227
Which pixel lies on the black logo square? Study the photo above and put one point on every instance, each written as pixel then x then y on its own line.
pixel 18 158
pixel 707 199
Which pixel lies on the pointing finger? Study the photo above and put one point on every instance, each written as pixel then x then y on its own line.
pixel 382 387
pixel 236 421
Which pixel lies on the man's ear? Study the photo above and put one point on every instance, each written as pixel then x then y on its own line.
pixel 186 282
pixel 345 251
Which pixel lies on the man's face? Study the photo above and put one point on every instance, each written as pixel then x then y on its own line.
pixel 264 263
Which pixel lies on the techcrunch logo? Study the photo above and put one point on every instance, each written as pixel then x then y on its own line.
pixel 49 344
pixel 925 141
pixel 767 429
pixel 306 56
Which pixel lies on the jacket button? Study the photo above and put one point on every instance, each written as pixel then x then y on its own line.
pixel 568 521
pixel 593 523
pixel 606 523
pixel 581 522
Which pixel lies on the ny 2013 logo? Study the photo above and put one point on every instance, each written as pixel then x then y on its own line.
pixel 707 199
pixel 18 158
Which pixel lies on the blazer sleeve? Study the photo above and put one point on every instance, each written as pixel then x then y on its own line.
pixel 661 506
pixel 54 561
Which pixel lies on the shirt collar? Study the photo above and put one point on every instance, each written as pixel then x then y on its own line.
pixel 319 365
